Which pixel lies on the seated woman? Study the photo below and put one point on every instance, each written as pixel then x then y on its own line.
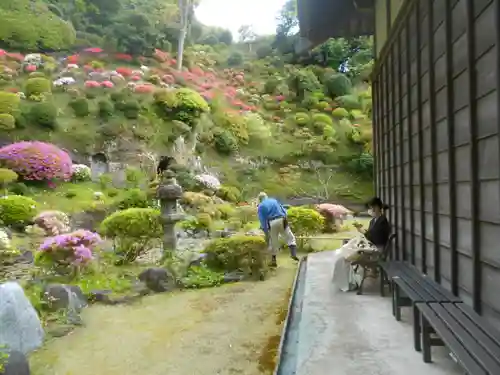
pixel 373 239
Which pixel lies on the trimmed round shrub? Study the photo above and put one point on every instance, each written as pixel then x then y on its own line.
pixel 9 102
pixel 305 221
pixel 37 75
pixel 131 109
pixel 17 210
pixel 7 122
pixel 37 86
pixel 236 58
pixel 106 109
pixel 338 84
pixel 229 193
pixel 133 198
pixel 302 119
pixel 19 188
pixel 7 177
pixel 182 104
pixel 44 114
pixel 340 113
pixel 133 231
pixel 348 102
pixel 246 253
pixel 323 119
pixel 80 107
pixel 224 142
pixel 37 161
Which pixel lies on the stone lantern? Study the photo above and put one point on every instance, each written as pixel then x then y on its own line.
pixel 169 192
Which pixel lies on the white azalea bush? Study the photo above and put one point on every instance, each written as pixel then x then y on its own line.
pixel 208 181
pixel 5 244
pixel 80 173
pixel 53 223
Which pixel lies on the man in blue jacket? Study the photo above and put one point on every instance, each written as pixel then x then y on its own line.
pixel 272 217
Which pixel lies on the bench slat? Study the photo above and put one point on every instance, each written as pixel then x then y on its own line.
pixel 434 292
pixel 462 355
pixel 439 289
pixel 474 327
pixel 491 331
pixel 414 293
pixel 467 340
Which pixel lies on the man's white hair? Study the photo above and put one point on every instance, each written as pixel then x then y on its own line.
pixel 262 196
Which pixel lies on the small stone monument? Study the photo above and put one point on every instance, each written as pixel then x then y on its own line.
pixel 169 192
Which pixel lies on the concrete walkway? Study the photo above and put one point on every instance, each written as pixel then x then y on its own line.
pixel 346 334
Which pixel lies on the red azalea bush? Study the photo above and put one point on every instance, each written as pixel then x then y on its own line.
pixel 144 89
pixel 123 57
pixel 124 71
pixel 73 59
pixel 30 68
pixel 36 161
pixel 135 78
pixel 107 84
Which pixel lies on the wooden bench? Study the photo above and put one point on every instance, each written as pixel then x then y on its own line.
pixel 371 262
pixel 473 342
pixel 409 288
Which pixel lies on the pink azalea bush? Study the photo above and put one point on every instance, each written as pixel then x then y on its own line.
pixel 107 84
pixel 144 89
pixel 70 249
pixel 30 68
pixel 36 161
pixel 92 84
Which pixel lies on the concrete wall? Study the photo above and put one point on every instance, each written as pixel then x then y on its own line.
pixel 437 144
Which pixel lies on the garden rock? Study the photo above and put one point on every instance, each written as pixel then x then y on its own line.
pixel 21 327
pixel 157 279
pixel 233 277
pixel 65 297
pixel 198 259
pixel 15 364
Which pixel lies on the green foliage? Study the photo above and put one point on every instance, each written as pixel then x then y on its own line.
pixel 106 109
pixel 9 102
pixel 302 119
pixel 30 25
pixel 19 188
pixel 37 86
pixel 349 102
pixel 361 164
pixel 303 82
pixel 182 104
pixel 305 221
pixel 17 210
pixel 320 121
pixel 246 214
pixel 133 198
pixel 133 231
pixel 44 114
pixel 130 109
pixel 235 59
pixel 202 277
pixel 340 113
pixel 7 177
pixel 229 193
pixel 246 253
pixel 7 122
pixel 80 107
pixel 224 142
pixel 338 85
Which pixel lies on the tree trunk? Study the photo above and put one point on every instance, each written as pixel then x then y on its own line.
pixel 180 48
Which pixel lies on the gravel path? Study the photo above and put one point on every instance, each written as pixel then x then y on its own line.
pixel 220 331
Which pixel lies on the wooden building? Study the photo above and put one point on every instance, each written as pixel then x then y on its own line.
pixel 436 130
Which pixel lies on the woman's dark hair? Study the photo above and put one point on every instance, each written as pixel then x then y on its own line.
pixel 377 202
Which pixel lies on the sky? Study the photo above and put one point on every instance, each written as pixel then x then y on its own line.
pixel 231 14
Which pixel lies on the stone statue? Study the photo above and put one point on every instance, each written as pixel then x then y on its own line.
pixel 169 192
